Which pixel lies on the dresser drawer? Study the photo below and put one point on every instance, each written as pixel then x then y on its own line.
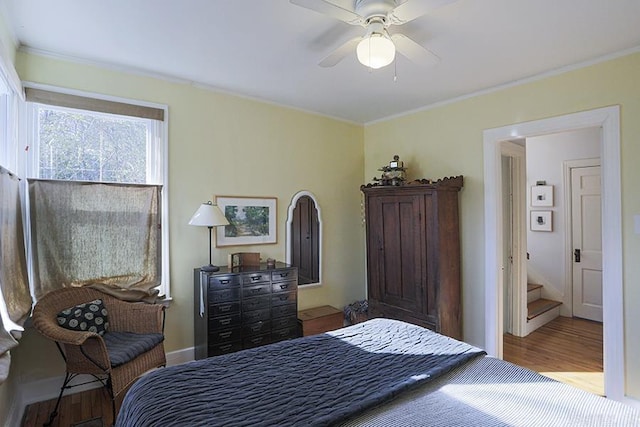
pixel 224 295
pixel 224 348
pixel 249 279
pixel 257 328
pixel 283 298
pixel 250 304
pixel 284 334
pixel 256 315
pixel 256 341
pixel 225 322
pixel 224 281
pixel 284 310
pixel 284 275
pixel 284 322
pixel 225 335
pixel 291 285
pixel 254 291
pixel 216 310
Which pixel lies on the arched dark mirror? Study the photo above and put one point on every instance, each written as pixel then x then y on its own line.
pixel 304 238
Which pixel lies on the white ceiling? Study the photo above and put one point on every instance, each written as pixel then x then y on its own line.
pixel 269 49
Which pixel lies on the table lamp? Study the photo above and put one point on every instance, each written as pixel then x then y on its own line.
pixel 209 215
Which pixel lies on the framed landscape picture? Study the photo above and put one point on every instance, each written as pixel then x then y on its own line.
pixel 252 221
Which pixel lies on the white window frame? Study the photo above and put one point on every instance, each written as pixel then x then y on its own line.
pixel 157 166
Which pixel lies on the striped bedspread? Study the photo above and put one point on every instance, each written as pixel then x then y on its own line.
pixel 311 381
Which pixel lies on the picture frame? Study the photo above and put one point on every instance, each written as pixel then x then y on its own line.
pixel 542 195
pixel 252 221
pixel 541 221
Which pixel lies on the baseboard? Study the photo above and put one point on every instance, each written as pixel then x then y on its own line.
pixel 180 356
pixel 542 319
pixel 16 410
pixel 631 402
pixel 46 389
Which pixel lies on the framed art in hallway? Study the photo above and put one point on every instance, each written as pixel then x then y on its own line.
pixel 541 221
pixel 542 195
pixel 252 221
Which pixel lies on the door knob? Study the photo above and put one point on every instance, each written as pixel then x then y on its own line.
pixel 576 255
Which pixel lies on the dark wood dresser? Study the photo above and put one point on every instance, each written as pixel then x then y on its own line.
pixel 413 253
pixel 244 307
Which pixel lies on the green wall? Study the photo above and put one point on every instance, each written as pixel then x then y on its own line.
pixel 226 145
pixel 447 141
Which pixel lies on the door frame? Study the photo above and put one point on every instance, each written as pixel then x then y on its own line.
pixel 517 153
pixel 567 165
pixel 613 306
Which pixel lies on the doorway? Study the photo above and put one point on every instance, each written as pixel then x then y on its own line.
pixel 586 232
pixel 608 118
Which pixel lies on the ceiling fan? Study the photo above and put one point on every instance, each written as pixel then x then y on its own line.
pixel 377 48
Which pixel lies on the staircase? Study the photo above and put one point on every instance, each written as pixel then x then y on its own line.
pixel 540 311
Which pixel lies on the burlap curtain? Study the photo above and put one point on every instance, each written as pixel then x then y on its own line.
pixel 13 265
pixel 103 235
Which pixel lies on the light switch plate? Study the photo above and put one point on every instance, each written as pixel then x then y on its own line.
pixel 636 224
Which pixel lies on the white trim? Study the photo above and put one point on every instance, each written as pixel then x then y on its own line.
pixel 173 79
pixel 518 235
pixel 567 300
pixel 514 83
pixel 288 256
pixel 631 402
pixel 613 304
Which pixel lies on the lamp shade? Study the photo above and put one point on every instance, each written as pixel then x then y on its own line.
pixel 376 50
pixel 208 215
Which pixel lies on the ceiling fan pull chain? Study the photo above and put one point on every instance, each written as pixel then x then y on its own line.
pixel 395 70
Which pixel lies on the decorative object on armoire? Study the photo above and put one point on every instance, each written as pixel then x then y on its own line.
pixel 208 215
pixel 413 253
pixel 393 174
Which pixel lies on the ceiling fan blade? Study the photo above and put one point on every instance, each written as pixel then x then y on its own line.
pixel 340 53
pixel 412 9
pixel 413 51
pixel 327 8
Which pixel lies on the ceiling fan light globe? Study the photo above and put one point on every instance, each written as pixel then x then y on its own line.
pixel 376 51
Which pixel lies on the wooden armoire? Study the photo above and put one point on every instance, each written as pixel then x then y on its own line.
pixel 413 253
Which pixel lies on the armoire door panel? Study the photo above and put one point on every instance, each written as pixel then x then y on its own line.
pixel 400 268
pixel 413 253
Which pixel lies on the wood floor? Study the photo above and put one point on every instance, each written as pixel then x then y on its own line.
pixel 74 408
pixel 566 349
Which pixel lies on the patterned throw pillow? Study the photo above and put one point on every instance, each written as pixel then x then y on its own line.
pixel 90 316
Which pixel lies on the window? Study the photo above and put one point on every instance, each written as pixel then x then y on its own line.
pixel 73 137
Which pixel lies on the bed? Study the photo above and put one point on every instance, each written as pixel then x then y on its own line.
pixel 378 373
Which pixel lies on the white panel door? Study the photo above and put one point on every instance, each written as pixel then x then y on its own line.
pixel 586 212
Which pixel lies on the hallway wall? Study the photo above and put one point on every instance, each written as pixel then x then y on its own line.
pixel 545 157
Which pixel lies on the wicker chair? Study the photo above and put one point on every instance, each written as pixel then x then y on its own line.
pixel 88 352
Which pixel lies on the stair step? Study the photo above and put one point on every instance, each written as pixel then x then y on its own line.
pixel 533 287
pixel 539 306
